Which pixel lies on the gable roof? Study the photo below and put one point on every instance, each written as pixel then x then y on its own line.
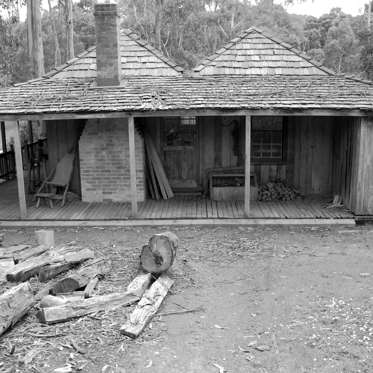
pixel 137 58
pixel 255 53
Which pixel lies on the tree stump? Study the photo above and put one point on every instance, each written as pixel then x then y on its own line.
pixel 159 255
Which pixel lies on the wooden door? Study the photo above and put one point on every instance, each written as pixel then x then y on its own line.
pixel 180 149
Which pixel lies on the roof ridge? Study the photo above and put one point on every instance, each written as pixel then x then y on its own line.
pixel 205 62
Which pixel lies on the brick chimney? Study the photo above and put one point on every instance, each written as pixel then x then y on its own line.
pixel 107 44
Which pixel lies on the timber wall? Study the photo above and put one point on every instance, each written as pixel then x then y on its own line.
pixel 308 150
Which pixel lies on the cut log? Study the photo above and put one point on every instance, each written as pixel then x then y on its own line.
pixel 81 278
pixel 147 307
pixel 9 252
pixel 71 310
pixel 90 288
pixel 45 237
pixel 139 284
pixel 77 308
pixel 5 266
pixel 53 270
pixel 14 304
pixel 34 266
pixel 52 300
pixel 29 253
pixel 159 255
pixel 1 238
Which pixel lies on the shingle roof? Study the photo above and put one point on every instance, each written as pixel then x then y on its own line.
pixel 255 53
pixel 189 93
pixel 137 58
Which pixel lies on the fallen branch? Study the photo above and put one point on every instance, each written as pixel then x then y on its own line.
pixel 199 309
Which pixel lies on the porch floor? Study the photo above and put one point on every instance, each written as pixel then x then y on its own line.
pixel 178 207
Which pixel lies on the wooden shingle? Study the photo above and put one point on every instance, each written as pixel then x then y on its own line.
pixel 240 56
pixel 137 58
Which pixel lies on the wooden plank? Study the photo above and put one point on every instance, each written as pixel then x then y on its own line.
pixel 147 307
pixel 19 169
pixel 132 158
pixel 247 164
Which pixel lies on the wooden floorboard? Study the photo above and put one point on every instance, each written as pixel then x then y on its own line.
pixel 187 207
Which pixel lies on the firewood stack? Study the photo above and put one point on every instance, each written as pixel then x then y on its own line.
pixel 73 294
pixel 277 191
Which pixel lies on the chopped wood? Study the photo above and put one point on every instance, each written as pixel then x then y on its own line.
pixel 53 270
pixel 90 288
pixel 139 284
pixel 29 253
pixel 159 255
pixel 14 304
pixel 74 309
pixel 147 307
pixel 36 265
pixel 52 300
pixel 5 266
pixel 82 277
pixel 9 252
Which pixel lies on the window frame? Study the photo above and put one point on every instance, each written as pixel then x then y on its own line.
pixel 271 160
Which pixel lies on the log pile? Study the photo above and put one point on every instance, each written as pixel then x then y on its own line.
pixel 158 184
pixel 73 295
pixel 277 191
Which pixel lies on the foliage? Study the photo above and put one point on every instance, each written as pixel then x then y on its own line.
pixel 188 30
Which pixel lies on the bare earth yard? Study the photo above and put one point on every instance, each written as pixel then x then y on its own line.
pixel 287 299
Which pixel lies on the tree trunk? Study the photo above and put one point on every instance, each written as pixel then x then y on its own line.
pixel 57 50
pixel 69 29
pixel 35 41
pixel 159 255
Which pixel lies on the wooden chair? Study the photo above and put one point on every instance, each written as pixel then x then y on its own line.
pixel 59 179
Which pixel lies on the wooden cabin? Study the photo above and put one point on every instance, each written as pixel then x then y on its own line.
pixel 301 124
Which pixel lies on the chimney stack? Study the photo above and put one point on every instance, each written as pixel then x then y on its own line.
pixel 107 44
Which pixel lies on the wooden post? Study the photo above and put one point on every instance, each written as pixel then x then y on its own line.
pixel 3 137
pixel 19 168
pixel 131 140
pixel 247 163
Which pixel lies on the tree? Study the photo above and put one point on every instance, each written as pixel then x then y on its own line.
pixel 34 35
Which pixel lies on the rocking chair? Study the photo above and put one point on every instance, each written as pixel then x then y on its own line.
pixel 58 180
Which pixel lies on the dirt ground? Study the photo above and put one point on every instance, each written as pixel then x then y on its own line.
pixel 266 299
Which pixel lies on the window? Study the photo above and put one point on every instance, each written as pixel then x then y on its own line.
pixel 267 139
